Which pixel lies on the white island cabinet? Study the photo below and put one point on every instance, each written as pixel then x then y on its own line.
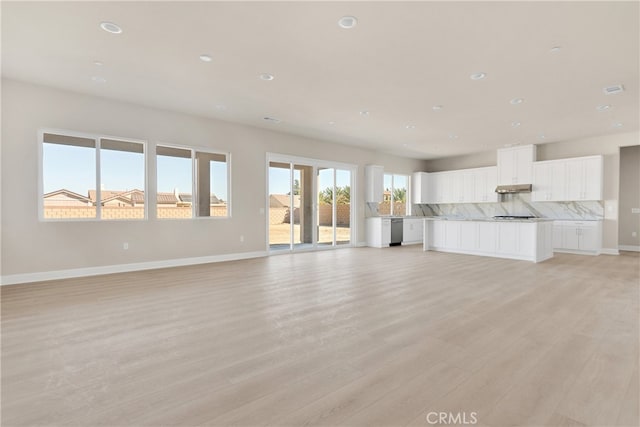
pixel 529 240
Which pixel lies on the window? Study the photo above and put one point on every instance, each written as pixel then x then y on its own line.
pixel 86 177
pixel 395 200
pixel 191 183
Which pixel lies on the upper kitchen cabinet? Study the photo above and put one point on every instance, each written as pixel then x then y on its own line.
pixel 374 178
pixel 515 165
pixel 420 188
pixel 549 181
pixel 486 180
pixel 584 178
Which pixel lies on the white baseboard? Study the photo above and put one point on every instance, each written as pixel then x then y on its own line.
pixel 361 245
pixel 629 248
pixel 14 279
pixel 609 251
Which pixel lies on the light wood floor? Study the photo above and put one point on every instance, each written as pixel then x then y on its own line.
pixel 353 337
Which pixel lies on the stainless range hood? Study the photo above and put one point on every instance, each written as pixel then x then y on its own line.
pixel 515 188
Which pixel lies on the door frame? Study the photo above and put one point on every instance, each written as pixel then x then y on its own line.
pixel 315 164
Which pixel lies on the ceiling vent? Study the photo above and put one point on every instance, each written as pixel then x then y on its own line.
pixel 612 90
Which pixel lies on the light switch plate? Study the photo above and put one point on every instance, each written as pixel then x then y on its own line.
pixel 635 210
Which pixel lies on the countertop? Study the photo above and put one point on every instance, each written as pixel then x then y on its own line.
pixel 440 218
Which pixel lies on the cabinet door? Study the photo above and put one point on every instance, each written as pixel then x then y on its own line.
pixel 507 238
pixel 588 238
pixel 444 188
pixel 487 237
pixel 541 182
pixel 506 167
pixel 433 194
pixel 469 183
pixel 452 234
pixel 571 237
pixel 575 179
pixel 490 185
pixel 557 181
pixel 419 188
pixel 469 235
pixel 557 237
pixel 438 235
pixel 524 164
pixel 386 232
pixel 592 188
pixel 527 237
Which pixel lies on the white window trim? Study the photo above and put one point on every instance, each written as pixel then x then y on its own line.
pixel 96 137
pixel 408 209
pixel 194 183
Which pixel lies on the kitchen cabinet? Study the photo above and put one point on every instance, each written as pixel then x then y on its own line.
pixel 549 181
pixel 374 179
pixel 578 236
pixel 486 181
pixel 515 165
pixel 524 240
pixel 412 231
pixel 378 232
pixel 584 178
pixel 420 188
pixel 462 186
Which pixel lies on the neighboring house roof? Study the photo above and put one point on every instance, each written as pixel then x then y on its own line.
pixel 67 193
pixel 167 199
pixel 130 197
pixel 283 201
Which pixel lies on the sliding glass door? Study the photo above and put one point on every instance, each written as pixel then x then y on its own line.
pixel 309 204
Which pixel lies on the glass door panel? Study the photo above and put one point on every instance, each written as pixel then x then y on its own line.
pixel 326 203
pixel 343 207
pixel 280 212
pixel 302 190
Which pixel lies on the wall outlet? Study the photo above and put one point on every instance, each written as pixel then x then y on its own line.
pixel 125 246
pixel 241 239
pixel 635 210
pixel 634 234
pixel 261 211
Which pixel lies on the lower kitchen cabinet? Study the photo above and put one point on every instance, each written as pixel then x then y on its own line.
pixel 412 231
pixel 378 232
pixel 524 240
pixel 583 237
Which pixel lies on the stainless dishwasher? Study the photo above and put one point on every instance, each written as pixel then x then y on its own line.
pixel 396 232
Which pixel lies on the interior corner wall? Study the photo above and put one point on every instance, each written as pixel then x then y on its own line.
pixel 32 246
pixel 606 145
pixel 629 197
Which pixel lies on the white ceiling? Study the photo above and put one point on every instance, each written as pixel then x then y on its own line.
pixel 400 60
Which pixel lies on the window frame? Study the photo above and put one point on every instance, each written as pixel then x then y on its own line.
pixel 407 210
pixel 194 179
pixel 96 137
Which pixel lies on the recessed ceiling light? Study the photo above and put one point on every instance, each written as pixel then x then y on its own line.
pixel 347 22
pixel 221 107
pixel 364 113
pixel 332 123
pixel 555 49
pixel 206 58
pixel 603 108
pixel 478 76
pixel 516 101
pixel 617 125
pixel 437 107
pixel 612 90
pixel 541 136
pixel 98 63
pixel 410 126
pixel 405 145
pixel 272 120
pixel 266 76
pixel 515 124
pixel 453 136
pixel 99 79
pixel 110 27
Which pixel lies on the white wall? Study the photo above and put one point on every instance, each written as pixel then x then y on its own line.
pixel 629 197
pixel 30 246
pixel 607 145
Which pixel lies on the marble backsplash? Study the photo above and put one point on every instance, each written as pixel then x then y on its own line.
pixel 516 204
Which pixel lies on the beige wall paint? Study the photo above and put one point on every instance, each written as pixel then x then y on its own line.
pixel 29 245
pixel 629 195
pixel 607 145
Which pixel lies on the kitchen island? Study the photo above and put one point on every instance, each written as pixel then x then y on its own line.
pixel 523 239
